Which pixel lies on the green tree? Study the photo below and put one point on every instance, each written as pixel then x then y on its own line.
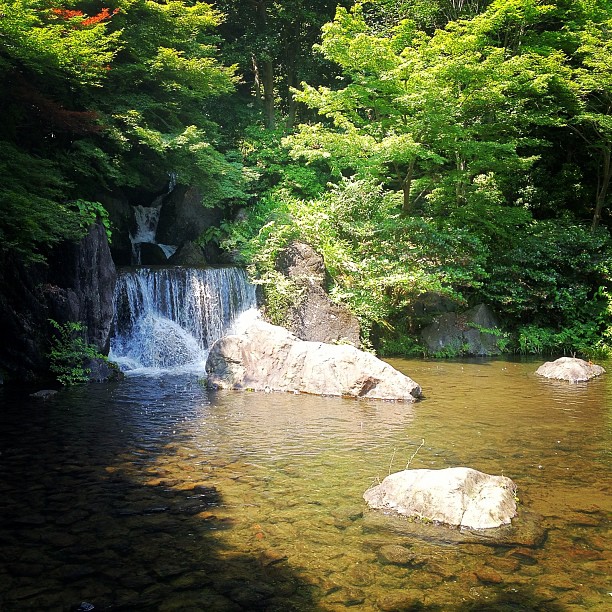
pixel 442 109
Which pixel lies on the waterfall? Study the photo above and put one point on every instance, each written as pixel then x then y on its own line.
pixel 169 317
pixel 147 218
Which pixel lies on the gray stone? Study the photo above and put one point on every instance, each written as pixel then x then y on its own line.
pixel 184 217
pixel 151 254
pixel 102 370
pixel 189 254
pixel 459 496
pixel 265 357
pixel 314 316
pixel 301 262
pixel 461 333
pixel 571 369
pixel 43 394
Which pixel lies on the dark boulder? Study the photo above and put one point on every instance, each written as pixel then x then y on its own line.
pixel 82 285
pixel 183 217
pixel 151 254
pixel 121 216
pixel 101 370
pixel 463 333
pixel 23 312
pixel 77 284
pixel 189 254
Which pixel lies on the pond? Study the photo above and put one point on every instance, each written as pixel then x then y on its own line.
pixel 156 494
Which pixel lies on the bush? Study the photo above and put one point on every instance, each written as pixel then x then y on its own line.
pixel 70 353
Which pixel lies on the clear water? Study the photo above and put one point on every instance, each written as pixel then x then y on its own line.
pixel 154 494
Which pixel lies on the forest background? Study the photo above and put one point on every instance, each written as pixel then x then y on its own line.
pixel 456 148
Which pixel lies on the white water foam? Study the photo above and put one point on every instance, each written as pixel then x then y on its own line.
pixel 167 319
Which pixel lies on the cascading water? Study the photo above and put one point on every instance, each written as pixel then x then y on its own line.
pixel 147 218
pixel 168 318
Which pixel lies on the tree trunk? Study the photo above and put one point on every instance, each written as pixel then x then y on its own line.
pixel 460 185
pixel 602 188
pixel 257 78
pixel 406 188
pixel 268 91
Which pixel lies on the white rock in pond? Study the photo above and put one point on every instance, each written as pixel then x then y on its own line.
pixel 570 369
pixel 460 497
pixel 266 357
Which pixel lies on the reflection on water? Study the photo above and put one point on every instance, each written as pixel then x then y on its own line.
pixel 153 494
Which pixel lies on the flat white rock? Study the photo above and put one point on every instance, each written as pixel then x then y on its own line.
pixel 459 496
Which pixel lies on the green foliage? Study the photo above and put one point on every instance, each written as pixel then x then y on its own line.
pixel 32 212
pixel 400 346
pixel 90 212
pixel 70 352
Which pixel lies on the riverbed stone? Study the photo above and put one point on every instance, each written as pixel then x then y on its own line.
pixel 266 357
pixel 572 369
pixel 459 496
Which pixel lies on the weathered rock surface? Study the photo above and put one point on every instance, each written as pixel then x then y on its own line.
pixel 460 497
pixel 314 316
pixel 462 332
pixel 76 285
pixel 570 369
pixel 101 370
pixel 183 216
pixel 121 216
pixel 83 283
pixel 189 254
pixel 265 357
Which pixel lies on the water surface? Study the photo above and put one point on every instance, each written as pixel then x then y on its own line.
pixel 154 494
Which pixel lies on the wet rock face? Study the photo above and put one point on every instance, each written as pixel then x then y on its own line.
pixel 76 285
pixel 571 369
pixel 183 216
pixel 315 317
pixel 83 279
pixel 460 497
pixel 269 358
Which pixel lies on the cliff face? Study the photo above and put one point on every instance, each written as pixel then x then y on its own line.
pixel 76 284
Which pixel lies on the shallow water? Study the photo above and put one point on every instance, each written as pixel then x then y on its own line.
pixel 154 494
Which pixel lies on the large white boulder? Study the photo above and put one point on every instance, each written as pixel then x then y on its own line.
pixel 459 496
pixel 571 369
pixel 266 357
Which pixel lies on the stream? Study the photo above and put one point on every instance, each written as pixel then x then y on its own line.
pixel 156 494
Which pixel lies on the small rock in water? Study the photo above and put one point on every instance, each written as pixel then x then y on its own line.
pixel 85 606
pixel 395 554
pixel 457 496
pixel 43 394
pixel 571 369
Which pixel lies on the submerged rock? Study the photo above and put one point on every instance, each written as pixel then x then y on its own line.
pixel 460 497
pixel 265 357
pixel 43 394
pixel 571 369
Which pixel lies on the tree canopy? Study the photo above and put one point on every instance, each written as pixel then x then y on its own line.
pixel 461 147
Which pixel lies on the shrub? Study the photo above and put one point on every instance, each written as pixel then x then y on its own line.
pixel 70 353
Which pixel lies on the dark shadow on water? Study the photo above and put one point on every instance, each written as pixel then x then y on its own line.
pixel 77 528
